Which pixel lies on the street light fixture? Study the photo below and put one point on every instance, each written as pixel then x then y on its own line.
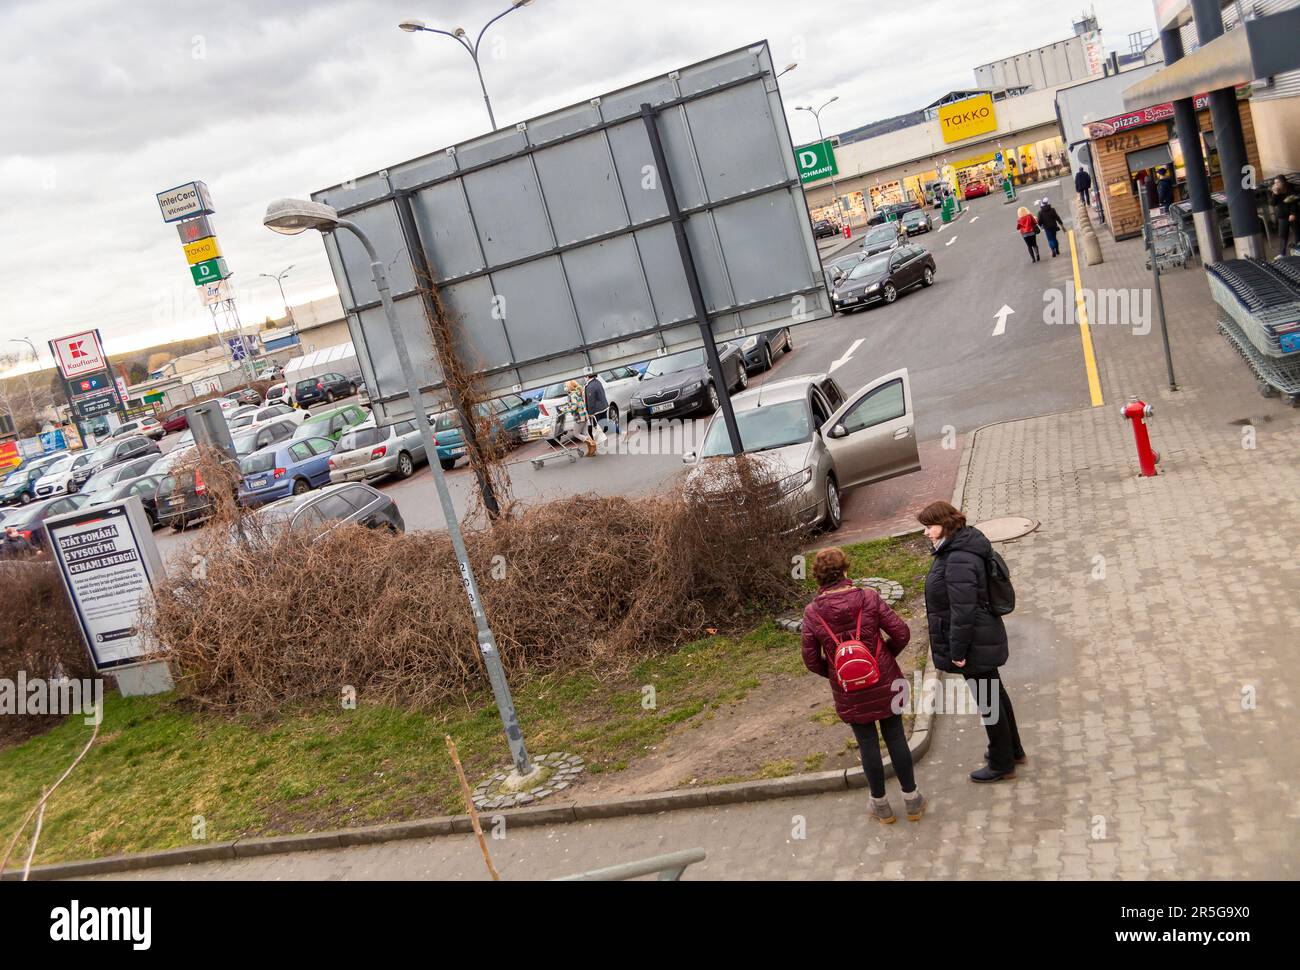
pixel 413 26
pixel 789 67
pixel 817 113
pixel 293 216
pixel 288 310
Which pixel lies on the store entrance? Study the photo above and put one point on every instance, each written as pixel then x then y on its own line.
pixel 1144 171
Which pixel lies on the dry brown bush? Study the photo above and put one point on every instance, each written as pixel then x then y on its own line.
pixel 585 583
pixel 39 635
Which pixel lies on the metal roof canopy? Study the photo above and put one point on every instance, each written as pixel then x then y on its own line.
pixel 551 240
pixel 1253 49
pixel 321 360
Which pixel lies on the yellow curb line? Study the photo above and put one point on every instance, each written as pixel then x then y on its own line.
pixel 1085 332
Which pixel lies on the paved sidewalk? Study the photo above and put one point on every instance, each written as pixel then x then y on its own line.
pixel 1151 612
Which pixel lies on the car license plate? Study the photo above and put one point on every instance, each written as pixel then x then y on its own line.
pixel 258 482
pixel 659 408
pixel 457 452
pixel 176 502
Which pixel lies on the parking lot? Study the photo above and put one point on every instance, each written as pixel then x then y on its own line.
pixel 966 370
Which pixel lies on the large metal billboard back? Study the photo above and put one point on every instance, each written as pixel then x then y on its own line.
pixel 551 245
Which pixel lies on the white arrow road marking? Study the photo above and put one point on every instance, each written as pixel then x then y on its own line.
pixel 974 218
pixel 951 241
pixel 847 354
pixel 1002 315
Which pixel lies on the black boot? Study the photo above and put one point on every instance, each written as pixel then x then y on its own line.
pixel 1020 756
pixel 987 774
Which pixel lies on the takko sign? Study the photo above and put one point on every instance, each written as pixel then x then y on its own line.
pixel 968 118
pixel 1138 119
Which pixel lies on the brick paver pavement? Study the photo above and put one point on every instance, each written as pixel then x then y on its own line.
pixel 1153 665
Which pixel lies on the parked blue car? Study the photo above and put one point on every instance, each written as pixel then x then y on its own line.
pixel 506 416
pixel 283 469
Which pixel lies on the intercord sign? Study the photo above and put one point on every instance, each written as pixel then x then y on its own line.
pixel 968 118
pixel 79 354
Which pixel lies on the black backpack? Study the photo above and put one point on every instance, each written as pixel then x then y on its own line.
pixel 1002 595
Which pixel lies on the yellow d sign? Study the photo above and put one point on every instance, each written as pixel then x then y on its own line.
pixel 202 251
pixel 967 118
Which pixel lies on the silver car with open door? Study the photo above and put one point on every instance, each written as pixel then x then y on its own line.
pixel 818 441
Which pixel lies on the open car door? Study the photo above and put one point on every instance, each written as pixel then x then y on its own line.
pixel 872 436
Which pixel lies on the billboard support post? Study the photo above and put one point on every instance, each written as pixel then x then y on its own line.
pixel 424 272
pixel 692 276
pixel 486 641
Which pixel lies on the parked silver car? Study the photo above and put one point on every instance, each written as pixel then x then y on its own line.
pixel 364 453
pixel 818 441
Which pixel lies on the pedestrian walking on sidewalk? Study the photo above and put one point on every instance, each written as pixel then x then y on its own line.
pixel 966 636
pixel 1285 199
pixel 840 616
pixel 1051 222
pixel 1027 226
pixel 1083 185
pixel 597 404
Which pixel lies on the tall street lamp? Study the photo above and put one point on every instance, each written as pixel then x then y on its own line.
pixel 292 216
pixel 817 113
pixel 788 68
pixel 288 310
pixel 461 37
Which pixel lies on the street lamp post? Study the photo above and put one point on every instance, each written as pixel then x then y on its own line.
pixel 288 310
pixel 788 68
pixel 292 216
pixel 817 113
pixel 461 37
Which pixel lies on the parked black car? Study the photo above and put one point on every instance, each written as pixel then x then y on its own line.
pixel 146 486
pixel 880 238
pixel 114 453
pixel 30 520
pixel 325 509
pixel 881 278
pixel 326 387
pixel 917 221
pixel 759 349
pixel 183 497
pixel 681 384
pixel 823 228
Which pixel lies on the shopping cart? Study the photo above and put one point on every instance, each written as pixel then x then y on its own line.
pixel 1168 243
pixel 1259 308
pixel 566 441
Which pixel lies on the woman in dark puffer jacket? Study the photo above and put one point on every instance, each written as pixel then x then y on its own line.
pixel 832 618
pixel 966 637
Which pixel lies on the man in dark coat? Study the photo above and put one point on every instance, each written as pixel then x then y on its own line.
pixel 14 545
pixel 1285 199
pixel 597 406
pixel 1051 222
pixel 1165 188
pixel 1083 184
pixel 966 636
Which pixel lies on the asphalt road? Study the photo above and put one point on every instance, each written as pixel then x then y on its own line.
pixel 965 372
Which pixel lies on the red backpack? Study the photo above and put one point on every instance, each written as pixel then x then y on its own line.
pixel 856 667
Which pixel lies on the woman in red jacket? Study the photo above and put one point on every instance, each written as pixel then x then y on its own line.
pixel 1027 226
pixel 841 612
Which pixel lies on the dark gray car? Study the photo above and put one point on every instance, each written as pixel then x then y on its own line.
pixel 882 277
pixel 114 453
pixel 681 384
pixel 319 512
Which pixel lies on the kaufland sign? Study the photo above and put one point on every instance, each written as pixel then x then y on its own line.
pixel 185 201
pixel 79 354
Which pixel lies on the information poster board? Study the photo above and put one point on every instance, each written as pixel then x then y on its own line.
pixel 109 563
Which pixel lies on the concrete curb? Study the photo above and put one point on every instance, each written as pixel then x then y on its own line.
pixel 747 791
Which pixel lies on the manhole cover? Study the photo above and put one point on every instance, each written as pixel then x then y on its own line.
pixel 1007 527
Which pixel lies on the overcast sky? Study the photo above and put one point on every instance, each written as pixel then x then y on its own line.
pixel 108 103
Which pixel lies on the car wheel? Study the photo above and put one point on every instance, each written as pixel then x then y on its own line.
pixel 834 514
pixel 767 357
pixel 72 488
pixel 928 278
pixel 891 294
pixel 743 378
pixel 300 486
pixel 789 342
pixel 405 466
pixel 611 418
pixel 24 498
pixel 447 463
pixel 714 403
pixel 329 397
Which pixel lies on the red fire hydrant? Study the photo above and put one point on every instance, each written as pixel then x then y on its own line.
pixel 848 231
pixel 1137 412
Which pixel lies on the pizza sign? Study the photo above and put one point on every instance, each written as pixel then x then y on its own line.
pixel 1139 119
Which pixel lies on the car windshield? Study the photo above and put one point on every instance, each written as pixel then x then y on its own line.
pixel 555 390
pixel 762 429
pixel 305 385
pixel 59 466
pixel 245 444
pixel 675 364
pixel 869 267
pixel 363 438
pixel 100 480
pixel 447 421
pixel 13 478
pixel 881 234
pixel 263 461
